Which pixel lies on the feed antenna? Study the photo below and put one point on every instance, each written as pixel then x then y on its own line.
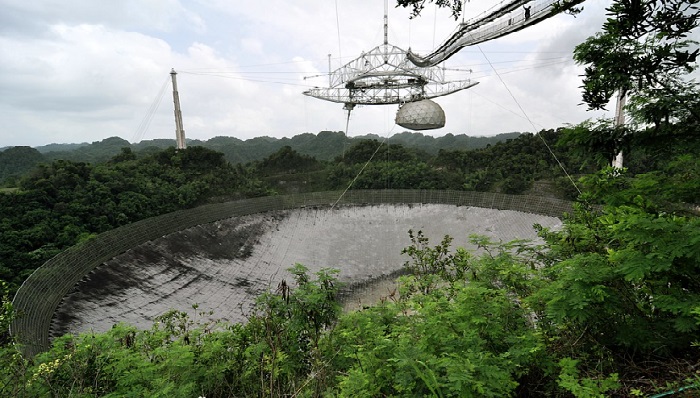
pixel 388 74
pixel 383 76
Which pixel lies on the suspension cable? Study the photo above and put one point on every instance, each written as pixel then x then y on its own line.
pixel 530 121
pixel 148 117
pixel 337 24
pixel 386 137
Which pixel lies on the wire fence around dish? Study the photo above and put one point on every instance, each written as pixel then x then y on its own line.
pixel 41 293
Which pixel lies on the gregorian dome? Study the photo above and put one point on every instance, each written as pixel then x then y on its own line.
pixel 421 115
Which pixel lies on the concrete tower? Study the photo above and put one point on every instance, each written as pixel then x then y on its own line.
pixel 179 129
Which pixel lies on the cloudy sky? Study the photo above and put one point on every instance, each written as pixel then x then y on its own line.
pixel 84 70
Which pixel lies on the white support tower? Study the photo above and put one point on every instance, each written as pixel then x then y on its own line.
pixel 179 129
pixel 619 122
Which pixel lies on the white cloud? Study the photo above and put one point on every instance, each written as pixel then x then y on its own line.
pixel 86 70
pixel 252 45
pixel 151 15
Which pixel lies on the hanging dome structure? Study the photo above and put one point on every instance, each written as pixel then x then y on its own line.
pixel 421 115
pixel 385 75
pixel 389 74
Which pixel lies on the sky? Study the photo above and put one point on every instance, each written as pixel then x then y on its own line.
pixel 74 71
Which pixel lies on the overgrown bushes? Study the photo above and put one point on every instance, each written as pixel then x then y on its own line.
pixel 584 314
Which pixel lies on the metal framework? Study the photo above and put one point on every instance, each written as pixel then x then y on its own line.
pixel 384 75
pixel 513 16
pixel 390 75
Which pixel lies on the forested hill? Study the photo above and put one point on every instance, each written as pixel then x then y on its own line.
pixel 325 145
pixel 606 305
pixel 62 202
pixel 16 161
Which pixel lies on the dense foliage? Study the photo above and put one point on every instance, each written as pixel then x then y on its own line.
pixel 323 146
pixel 16 161
pixel 512 166
pixel 62 203
pixel 609 304
pixel 287 161
pixel 643 50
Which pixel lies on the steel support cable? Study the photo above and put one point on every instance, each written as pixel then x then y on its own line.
pixel 148 117
pixel 507 71
pixel 296 224
pixel 458 68
pixel 363 168
pixel 337 25
pixel 434 25
pixel 246 79
pixel 247 277
pixel 39 295
pixel 531 122
pixel 267 251
pixel 246 66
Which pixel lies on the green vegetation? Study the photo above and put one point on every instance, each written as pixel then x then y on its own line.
pixel 324 146
pixel 16 161
pixel 607 305
pixel 59 204
pixel 63 203
pixel 610 304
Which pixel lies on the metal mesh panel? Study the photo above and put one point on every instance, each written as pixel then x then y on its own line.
pixel 41 293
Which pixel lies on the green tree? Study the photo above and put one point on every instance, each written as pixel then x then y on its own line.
pixel 276 353
pixel 64 202
pixel 623 280
pixel 365 150
pixel 16 161
pixel 643 51
pixel 286 161
pixel 287 326
pixel 6 313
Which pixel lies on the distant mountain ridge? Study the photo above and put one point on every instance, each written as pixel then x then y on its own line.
pixel 326 145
